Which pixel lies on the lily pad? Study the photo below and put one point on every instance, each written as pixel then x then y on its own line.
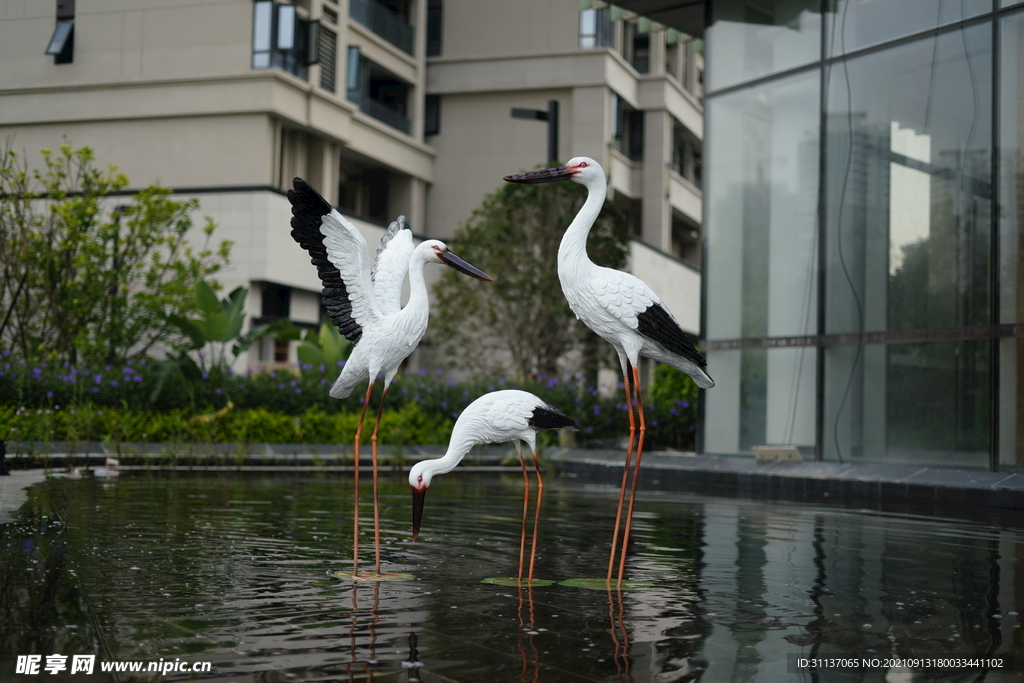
pixel 370 577
pixel 525 583
pixel 605 585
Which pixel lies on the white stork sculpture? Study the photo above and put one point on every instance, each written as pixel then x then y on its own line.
pixel 622 310
pixel 497 417
pixel 366 307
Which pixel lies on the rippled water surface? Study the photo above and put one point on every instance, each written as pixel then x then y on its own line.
pixel 233 569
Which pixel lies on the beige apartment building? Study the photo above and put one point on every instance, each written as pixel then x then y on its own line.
pixel 387 106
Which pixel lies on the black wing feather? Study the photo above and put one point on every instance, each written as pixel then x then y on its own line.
pixel 658 325
pixel 547 416
pixel 308 210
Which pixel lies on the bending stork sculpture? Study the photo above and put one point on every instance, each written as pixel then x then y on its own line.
pixel 621 309
pixel 366 307
pixel 497 417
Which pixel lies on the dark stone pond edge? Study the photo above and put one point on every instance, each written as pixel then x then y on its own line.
pixel 932 491
pixel 987 496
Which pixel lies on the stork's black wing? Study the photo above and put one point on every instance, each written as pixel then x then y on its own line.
pixel 338 250
pixel 657 324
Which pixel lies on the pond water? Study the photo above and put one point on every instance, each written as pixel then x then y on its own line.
pixel 233 569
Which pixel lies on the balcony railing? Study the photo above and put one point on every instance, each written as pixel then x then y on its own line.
pixel 383 22
pixel 380 112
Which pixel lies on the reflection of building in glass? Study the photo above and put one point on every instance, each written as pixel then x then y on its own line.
pixel 882 325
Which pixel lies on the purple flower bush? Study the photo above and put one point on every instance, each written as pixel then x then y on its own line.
pixel 434 401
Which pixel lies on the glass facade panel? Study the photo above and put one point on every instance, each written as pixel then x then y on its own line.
pixel 908 186
pixel 860 23
pixel 1011 238
pixel 747 41
pixel 761 202
pixel 908 404
pixel 761 397
pixel 761 196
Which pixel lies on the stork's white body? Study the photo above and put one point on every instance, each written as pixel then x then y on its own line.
pixel 389 337
pixel 608 301
pixel 497 417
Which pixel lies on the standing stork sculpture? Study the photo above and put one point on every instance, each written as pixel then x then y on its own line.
pixel 366 307
pixel 497 417
pixel 622 310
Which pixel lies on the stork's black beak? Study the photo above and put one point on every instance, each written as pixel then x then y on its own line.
pixel 547 175
pixel 450 259
pixel 418 495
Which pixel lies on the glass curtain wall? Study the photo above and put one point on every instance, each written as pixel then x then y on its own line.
pixel 871 148
pixel 762 276
pixel 908 200
pixel 1011 238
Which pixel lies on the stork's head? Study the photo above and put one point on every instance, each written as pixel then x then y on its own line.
pixel 581 170
pixel 436 251
pixel 419 480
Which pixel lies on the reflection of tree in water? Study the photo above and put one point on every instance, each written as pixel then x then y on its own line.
pixel 43 606
pixel 937 393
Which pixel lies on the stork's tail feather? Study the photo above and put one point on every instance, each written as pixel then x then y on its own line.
pixel 547 416
pixel 695 371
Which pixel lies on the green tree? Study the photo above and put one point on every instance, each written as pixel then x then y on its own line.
pixel 87 277
pixel 514 236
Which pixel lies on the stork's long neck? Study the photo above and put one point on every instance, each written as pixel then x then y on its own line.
pixel 572 252
pixel 418 307
pixel 460 444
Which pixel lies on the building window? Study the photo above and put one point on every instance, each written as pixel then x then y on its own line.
pixel 328 58
pixel 62 42
pixel 389 19
pixel 628 128
pixel 434 27
pixel 432 115
pixel 686 153
pixel 283 39
pixel 595 28
pixel 281 350
pixel 641 52
pixel 364 191
pixel 276 301
pixel 377 91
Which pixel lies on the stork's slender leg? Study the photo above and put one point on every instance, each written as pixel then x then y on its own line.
pixel 526 507
pixel 636 470
pixel 536 518
pixel 376 508
pixel 355 494
pixel 625 469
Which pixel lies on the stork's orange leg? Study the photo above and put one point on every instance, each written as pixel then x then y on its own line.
pixel 355 494
pixel 636 471
pixel 376 507
pixel 536 517
pixel 526 507
pixel 625 470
